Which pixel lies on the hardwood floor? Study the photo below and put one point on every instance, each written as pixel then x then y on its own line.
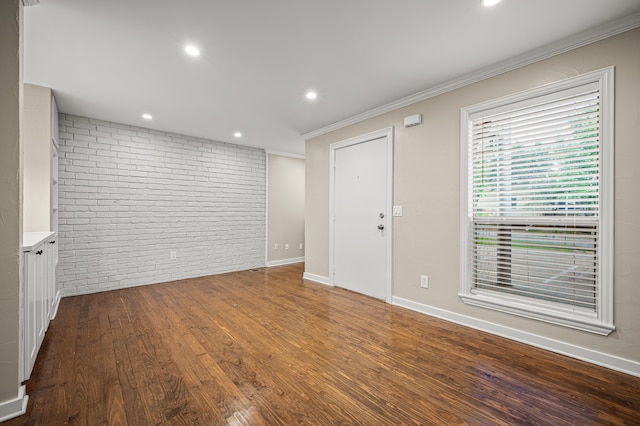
pixel 268 348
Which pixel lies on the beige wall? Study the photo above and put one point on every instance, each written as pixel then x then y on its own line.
pixel 426 184
pixel 285 221
pixel 36 138
pixel 10 193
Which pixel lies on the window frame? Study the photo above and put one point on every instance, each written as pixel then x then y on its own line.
pixel 600 322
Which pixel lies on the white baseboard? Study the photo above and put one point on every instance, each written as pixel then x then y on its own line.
pixel 317 278
pixel 68 292
pixel 14 407
pixel 285 261
pixel 584 354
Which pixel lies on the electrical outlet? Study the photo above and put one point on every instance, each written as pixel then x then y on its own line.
pixel 424 281
pixel 286 246
pixel 172 255
pixel 275 246
pixel 300 246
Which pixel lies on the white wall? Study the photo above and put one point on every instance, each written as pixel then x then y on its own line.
pixel 427 182
pixel 128 196
pixel 285 221
pixel 10 200
pixel 37 146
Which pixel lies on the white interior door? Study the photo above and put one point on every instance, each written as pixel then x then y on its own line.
pixel 361 207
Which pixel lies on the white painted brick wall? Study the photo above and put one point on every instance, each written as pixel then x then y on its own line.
pixel 128 196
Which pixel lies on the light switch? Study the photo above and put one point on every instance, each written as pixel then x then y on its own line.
pixel 397 211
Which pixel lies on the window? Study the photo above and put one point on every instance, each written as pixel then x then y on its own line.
pixel 537 203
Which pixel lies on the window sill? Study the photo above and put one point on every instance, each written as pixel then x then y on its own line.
pixel 550 313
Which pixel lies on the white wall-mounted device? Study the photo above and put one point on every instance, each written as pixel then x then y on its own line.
pixel 413 120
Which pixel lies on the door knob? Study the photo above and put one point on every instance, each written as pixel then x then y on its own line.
pixel 381 227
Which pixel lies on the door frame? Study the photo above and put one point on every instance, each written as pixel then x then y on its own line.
pixel 377 134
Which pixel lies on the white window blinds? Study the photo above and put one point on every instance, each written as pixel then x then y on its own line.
pixel 534 170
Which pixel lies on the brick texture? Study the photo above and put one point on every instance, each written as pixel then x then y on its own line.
pixel 129 196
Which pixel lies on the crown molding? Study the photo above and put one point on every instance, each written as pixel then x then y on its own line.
pixel 284 154
pixel 592 35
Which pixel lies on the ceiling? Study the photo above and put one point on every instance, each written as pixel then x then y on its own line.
pixel 117 59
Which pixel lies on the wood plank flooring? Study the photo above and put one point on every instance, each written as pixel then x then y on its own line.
pixel 268 348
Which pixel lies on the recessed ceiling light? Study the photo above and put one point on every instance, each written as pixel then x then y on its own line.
pixel 147 116
pixel 311 95
pixel 490 2
pixel 237 134
pixel 192 50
